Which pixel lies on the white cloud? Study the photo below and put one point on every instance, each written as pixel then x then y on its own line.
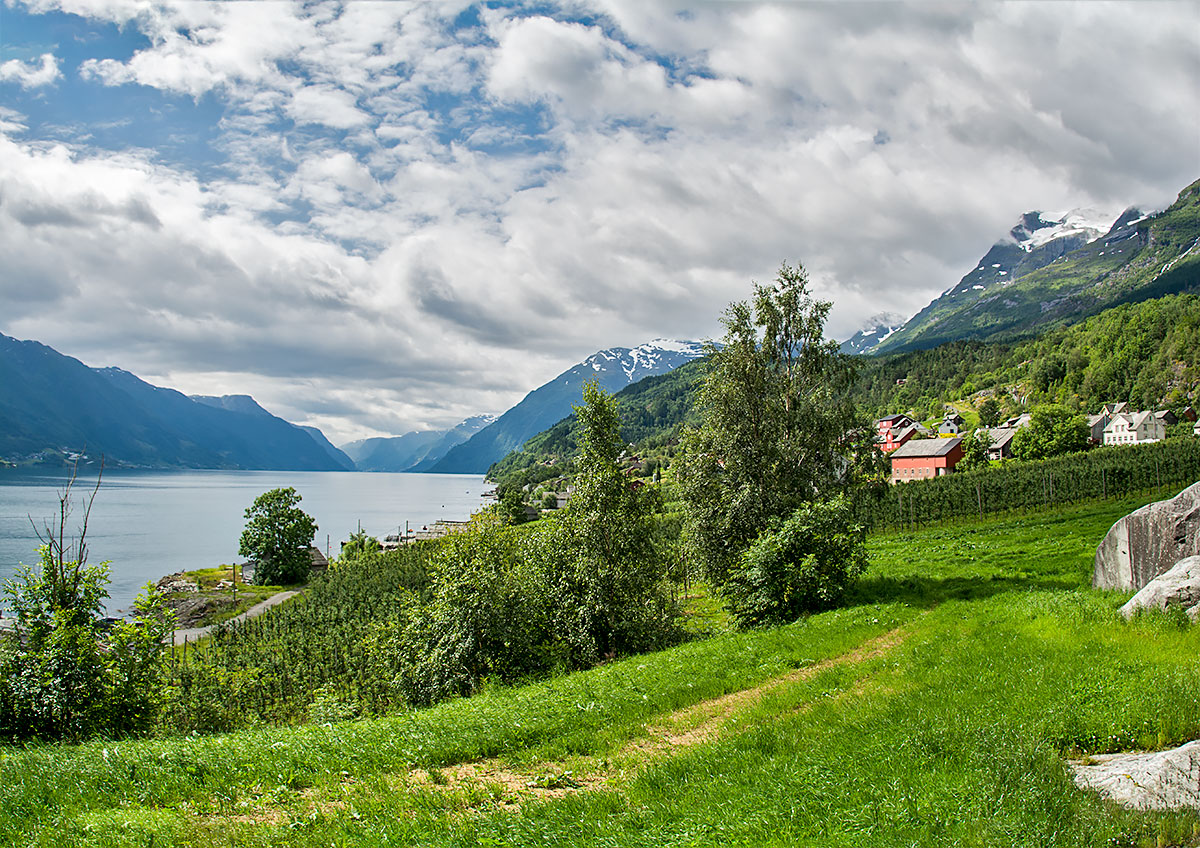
pixel 31 74
pixel 333 107
pixel 413 221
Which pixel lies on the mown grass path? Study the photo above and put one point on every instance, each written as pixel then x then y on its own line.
pixel 938 708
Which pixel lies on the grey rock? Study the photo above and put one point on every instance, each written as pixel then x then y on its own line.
pixel 1161 780
pixel 1180 586
pixel 1149 541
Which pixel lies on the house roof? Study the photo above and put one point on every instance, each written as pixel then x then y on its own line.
pixel 891 418
pixel 1001 436
pixel 916 448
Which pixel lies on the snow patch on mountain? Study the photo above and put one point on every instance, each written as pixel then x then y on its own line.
pixel 1036 229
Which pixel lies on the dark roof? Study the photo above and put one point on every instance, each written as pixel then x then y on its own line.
pixel 914 448
pixel 893 417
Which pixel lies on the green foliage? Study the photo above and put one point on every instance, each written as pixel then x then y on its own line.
pixel 989 412
pixel 277 538
pixel 612 571
pixel 63 675
pixel 1052 431
pixel 340 639
pixel 491 603
pixel 779 428
pixel 800 566
pixel 358 545
pixel 1147 354
pixel 974 447
pixel 510 505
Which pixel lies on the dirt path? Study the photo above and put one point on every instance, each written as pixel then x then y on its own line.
pixel 191 634
pixel 666 736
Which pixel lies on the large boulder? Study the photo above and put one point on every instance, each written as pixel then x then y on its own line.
pixel 1162 780
pixel 1178 586
pixel 1149 541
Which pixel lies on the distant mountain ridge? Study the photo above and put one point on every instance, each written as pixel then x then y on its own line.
pixel 1048 272
pixel 415 451
pixel 613 368
pixel 54 403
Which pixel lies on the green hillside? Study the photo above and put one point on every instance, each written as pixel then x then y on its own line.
pixel 1145 353
pixel 1157 256
pixel 942 706
pixel 653 411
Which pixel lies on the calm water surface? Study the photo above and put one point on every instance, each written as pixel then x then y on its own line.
pixel 152 523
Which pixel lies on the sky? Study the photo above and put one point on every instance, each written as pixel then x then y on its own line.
pixel 381 217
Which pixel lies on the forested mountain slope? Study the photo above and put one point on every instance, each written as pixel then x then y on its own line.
pixel 1026 285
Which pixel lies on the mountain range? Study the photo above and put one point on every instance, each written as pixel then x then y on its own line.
pixel 1048 272
pixel 54 405
pixel 416 451
pixel 614 369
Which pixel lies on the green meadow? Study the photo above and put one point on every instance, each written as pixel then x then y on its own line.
pixel 939 706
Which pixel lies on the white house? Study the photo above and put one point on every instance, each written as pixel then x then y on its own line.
pixel 1134 428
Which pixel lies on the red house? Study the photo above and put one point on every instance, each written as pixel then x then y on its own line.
pixel 894 431
pixel 920 459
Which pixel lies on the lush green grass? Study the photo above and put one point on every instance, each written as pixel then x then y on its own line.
pixel 1004 664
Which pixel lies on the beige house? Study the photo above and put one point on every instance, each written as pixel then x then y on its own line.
pixel 1134 428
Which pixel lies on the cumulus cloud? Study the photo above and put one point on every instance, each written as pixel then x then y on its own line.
pixel 31 74
pixel 421 211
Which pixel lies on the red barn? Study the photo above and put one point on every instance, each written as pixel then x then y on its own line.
pixel 919 459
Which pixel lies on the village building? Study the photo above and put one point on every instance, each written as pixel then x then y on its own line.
pixel 1134 428
pixel 1115 408
pixel 1167 417
pixel 1001 442
pixel 920 459
pixel 889 428
pixel 952 424
pixel 1096 426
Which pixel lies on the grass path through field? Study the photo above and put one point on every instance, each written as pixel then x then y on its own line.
pixel 666 736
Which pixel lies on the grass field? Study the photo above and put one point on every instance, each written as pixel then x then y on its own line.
pixel 939 707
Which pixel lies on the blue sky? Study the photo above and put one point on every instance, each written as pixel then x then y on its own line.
pixel 378 217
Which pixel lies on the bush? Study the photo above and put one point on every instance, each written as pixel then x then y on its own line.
pixel 62 675
pixel 803 565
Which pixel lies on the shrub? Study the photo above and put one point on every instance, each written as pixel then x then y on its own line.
pixel 803 565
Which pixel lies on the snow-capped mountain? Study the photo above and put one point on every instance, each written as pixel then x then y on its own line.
pixel 1036 241
pixel 653 357
pixel 873 332
pixel 613 368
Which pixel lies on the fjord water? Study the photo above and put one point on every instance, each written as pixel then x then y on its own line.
pixel 152 523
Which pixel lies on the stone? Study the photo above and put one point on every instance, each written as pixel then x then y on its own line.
pixel 1149 541
pixel 1161 780
pixel 1179 586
